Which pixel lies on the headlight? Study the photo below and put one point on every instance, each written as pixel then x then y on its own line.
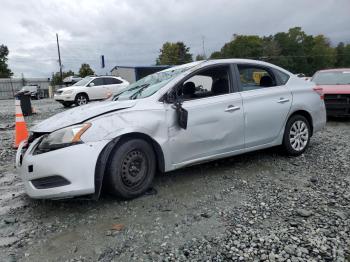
pixel 62 138
pixel 68 92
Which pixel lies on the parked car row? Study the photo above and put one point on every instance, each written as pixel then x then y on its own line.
pixel 30 90
pixel 174 118
pixel 335 86
pixel 90 88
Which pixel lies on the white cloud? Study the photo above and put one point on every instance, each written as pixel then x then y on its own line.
pixel 132 31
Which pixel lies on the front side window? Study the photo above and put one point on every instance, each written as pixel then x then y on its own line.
pixel 254 77
pixel 98 82
pixel 205 83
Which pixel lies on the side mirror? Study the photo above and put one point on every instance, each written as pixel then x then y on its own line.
pixel 91 84
pixel 182 115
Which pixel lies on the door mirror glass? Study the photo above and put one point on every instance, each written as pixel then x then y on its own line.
pixel 182 115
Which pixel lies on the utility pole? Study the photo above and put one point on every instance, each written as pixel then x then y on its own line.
pixel 13 92
pixel 205 56
pixel 59 57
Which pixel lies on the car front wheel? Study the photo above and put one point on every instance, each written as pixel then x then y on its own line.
pixel 132 169
pixel 81 99
pixel 296 135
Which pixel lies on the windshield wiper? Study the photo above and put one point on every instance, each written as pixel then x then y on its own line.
pixel 142 87
pixel 127 90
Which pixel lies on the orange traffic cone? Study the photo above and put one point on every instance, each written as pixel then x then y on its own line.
pixel 21 132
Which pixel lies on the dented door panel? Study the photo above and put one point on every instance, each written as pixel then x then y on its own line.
pixel 211 129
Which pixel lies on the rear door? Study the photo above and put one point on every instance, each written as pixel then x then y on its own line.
pixel 266 102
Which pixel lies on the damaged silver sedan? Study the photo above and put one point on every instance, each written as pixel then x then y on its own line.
pixel 181 116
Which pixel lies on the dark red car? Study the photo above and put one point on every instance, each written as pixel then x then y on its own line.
pixel 335 86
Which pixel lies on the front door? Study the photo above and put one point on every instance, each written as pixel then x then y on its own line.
pixel 215 117
pixel 97 90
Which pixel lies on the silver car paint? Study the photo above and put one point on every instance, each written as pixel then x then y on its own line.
pixel 212 132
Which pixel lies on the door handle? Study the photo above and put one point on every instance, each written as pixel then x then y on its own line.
pixel 232 108
pixel 283 100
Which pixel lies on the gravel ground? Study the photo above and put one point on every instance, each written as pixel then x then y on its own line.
pixel 253 207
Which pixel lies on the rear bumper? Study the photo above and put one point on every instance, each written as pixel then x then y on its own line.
pixel 61 173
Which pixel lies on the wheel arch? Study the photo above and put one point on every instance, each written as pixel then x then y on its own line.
pixel 82 93
pixel 104 157
pixel 305 114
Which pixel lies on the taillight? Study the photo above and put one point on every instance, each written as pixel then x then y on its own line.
pixel 319 91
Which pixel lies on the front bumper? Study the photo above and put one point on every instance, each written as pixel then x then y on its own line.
pixel 64 98
pixel 75 164
pixel 337 104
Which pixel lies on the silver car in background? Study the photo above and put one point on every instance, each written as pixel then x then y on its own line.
pixel 181 116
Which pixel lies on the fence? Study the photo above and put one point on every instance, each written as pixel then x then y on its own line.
pixel 9 86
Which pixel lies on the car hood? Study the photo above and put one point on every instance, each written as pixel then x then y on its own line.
pixel 80 114
pixel 335 89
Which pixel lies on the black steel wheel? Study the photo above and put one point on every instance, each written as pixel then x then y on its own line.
pixel 132 168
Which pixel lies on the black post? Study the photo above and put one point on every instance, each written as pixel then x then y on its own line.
pixel 59 57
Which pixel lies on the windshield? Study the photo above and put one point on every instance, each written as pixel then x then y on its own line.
pixel 83 82
pixel 150 84
pixel 332 78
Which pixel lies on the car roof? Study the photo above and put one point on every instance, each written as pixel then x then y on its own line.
pixel 106 76
pixel 335 70
pixel 230 60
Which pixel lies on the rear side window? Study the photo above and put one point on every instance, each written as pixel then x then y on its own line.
pixel 281 77
pixel 254 77
pixel 112 81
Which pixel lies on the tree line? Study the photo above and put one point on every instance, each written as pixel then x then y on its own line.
pixel 85 70
pixel 294 50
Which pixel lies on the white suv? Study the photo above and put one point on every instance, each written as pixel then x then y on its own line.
pixel 90 88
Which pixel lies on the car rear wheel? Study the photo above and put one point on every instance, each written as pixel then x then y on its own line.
pixel 296 135
pixel 132 168
pixel 81 99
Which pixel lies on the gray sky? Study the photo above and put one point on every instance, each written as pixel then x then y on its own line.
pixel 131 32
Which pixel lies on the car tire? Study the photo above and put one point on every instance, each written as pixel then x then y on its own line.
pixel 131 170
pixel 296 135
pixel 81 99
pixel 66 104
